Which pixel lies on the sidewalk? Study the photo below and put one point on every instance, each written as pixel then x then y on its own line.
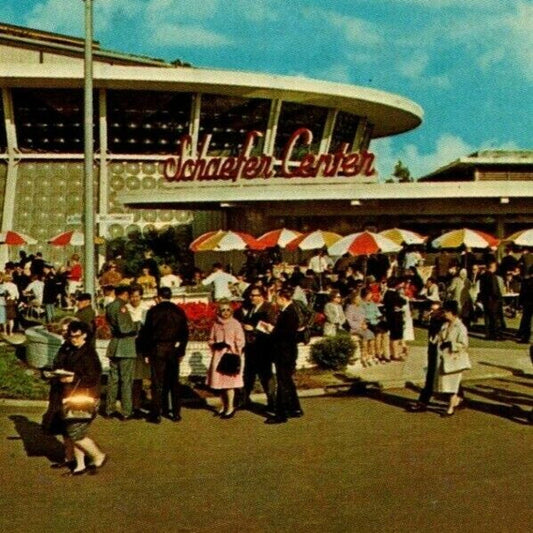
pixel 487 363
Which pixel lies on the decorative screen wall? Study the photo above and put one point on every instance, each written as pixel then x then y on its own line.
pixel 47 193
pixel 127 176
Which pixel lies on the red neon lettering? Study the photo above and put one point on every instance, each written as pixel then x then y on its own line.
pixel 188 167
pixel 289 147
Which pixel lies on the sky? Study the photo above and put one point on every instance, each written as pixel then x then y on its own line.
pixel 468 64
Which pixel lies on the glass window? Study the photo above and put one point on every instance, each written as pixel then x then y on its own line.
pixel 229 120
pixel 147 122
pixel 294 116
pixel 344 130
pixel 51 120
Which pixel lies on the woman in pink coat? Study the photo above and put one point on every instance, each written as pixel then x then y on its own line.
pixel 227 335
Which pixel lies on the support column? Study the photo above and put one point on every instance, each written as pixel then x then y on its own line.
pixel 325 142
pixel 272 127
pixel 194 128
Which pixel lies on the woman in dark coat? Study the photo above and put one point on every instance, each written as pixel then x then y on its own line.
pixel 78 356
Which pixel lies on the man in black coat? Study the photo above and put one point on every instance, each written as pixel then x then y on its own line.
pixel 436 320
pixel 258 361
pixel 491 297
pixel 285 351
pixel 163 338
pixel 526 300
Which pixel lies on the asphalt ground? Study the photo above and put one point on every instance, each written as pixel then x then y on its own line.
pixel 352 463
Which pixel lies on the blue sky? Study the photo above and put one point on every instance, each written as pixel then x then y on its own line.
pixel 468 63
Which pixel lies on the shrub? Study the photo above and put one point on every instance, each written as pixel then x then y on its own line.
pixel 333 352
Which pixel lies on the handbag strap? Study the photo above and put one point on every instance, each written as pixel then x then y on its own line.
pixel 74 389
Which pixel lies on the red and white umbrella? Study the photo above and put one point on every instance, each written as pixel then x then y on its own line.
pixel 314 240
pixel 278 237
pixel 225 241
pixel 471 238
pixel 72 238
pixel 403 236
pixel 14 238
pixel 363 243
pixel 522 238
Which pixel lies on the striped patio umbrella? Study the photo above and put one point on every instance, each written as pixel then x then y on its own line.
pixel 403 236
pixel 71 238
pixel 363 243
pixel 197 243
pixel 314 240
pixel 225 241
pixel 472 238
pixel 521 238
pixel 14 238
pixel 278 237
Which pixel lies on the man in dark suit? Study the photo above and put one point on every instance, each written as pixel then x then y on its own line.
pixel 258 361
pixel 285 351
pixel 491 297
pixel 163 338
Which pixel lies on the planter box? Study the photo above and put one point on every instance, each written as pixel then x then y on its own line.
pixel 42 347
pixel 198 357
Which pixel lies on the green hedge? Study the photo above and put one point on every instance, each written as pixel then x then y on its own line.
pixel 333 353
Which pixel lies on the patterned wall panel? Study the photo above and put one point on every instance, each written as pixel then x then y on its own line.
pixel 48 192
pixel 147 176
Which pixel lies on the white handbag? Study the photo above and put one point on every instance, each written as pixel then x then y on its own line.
pixel 455 362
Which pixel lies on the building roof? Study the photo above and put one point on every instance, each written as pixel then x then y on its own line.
pixel 57 43
pixel 390 114
pixel 465 167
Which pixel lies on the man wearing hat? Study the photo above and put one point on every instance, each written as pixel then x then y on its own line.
pixel 85 313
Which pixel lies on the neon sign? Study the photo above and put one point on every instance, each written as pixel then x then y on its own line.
pixel 186 167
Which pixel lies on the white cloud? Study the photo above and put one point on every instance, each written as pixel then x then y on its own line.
pixel 176 34
pixel 439 4
pixel 448 148
pixel 51 15
pixel 355 30
pixel 339 72
pixel 258 11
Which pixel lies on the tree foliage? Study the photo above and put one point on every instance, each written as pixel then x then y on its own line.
pixel 402 173
pixel 169 246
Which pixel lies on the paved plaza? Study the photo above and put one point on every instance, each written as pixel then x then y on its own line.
pixel 352 463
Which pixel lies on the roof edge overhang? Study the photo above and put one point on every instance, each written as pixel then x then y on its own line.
pixel 390 113
pixel 303 190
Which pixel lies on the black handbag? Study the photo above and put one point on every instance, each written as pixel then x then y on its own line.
pixel 229 364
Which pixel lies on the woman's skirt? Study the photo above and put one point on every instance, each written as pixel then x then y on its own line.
pixel 77 430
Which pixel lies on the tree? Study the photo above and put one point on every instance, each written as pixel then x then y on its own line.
pixel 402 173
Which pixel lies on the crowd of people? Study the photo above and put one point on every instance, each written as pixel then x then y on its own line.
pixel 263 311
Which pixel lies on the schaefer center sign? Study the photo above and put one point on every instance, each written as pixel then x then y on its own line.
pixel 188 167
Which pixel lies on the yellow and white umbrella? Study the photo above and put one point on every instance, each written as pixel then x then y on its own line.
pixel 471 238
pixel 403 236
pixel 521 238
pixel 314 240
